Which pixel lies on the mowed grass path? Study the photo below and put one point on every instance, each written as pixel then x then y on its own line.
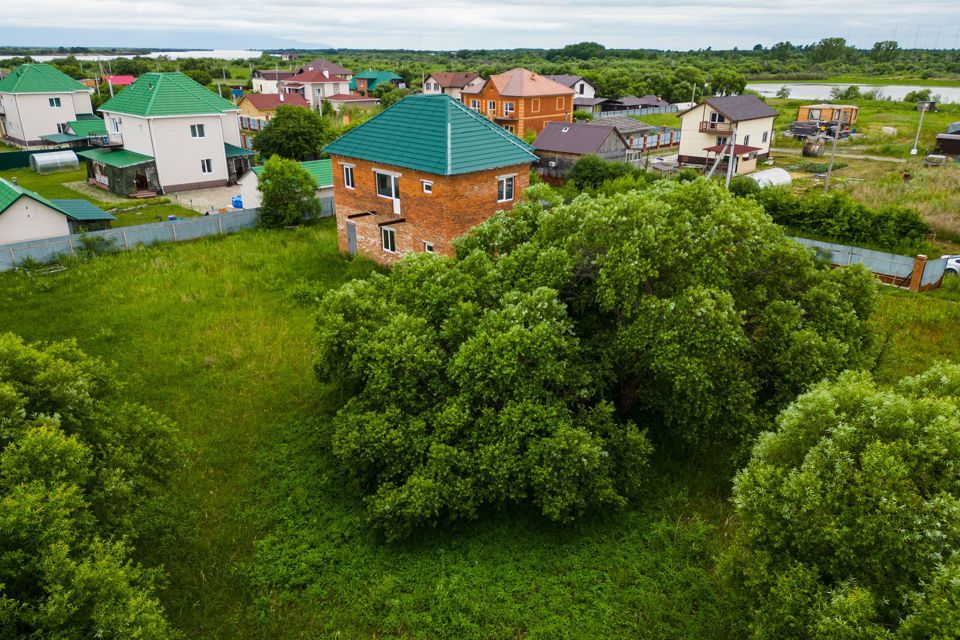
pixel 206 333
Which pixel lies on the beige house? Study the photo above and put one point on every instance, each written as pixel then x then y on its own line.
pixel 25 215
pixel 453 83
pixel 166 133
pixel 39 100
pixel 741 126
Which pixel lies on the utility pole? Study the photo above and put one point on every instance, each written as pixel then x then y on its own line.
pixel 833 153
pixel 693 93
pixel 916 140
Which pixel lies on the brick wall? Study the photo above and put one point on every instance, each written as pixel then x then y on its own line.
pixel 455 204
pixel 530 114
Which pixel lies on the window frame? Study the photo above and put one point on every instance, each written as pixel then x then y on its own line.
pixel 766 136
pixel 427 186
pixel 509 111
pixel 388 232
pixel 492 106
pixel 394 184
pixel 561 102
pixel 352 182
pixel 535 105
pixel 206 166
pixel 475 104
pixel 746 139
pixel 55 103
pixel 428 246
pixel 198 131
pixel 504 180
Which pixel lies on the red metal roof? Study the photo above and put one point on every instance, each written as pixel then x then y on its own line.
pixel 268 101
pixel 738 149
pixel 118 80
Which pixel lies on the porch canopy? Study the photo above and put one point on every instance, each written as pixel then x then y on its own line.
pixel 234 151
pixel 61 138
pixel 119 158
pixel 738 149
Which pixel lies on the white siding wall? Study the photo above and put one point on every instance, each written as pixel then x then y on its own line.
pixel 249 190
pixel 27 219
pixel 135 132
pixel 692 142
pixel 11 120
pixel 178 155
pixel 38 117
pixel 588 90
pixel 81 102
pixel 230 122
pixel 262 85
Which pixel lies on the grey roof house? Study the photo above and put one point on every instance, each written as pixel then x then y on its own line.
pixel 561 144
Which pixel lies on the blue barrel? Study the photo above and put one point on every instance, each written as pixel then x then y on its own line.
pixel 238 202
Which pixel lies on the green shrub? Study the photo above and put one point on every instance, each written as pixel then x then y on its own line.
pixel 850 512
pixel 79 472
pixel 515 373
pixel 743 186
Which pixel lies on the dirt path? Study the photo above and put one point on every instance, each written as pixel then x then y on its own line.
pixel 851 156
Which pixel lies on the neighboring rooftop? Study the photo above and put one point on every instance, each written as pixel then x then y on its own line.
pixel 351 97
pixel 624 124
pixel 120 81
pixel 565 79
pixel 86 128
pixel 320 170
pixel 523 83
pixel 73 209
pixel 633 102
pixel 167 94
pixel 576 138
pixel 322 64
pixel 272 74
pixel 739 108
pixel 119 158
pixel 454 79
pixel 39 78
pixel 374 79
pixel 433 133
pixel 316 75
pixel 270 101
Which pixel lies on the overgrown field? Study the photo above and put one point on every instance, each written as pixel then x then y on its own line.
pixel 131 211
pixel 218 335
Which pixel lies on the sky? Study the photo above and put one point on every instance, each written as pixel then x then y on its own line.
pixel 488 24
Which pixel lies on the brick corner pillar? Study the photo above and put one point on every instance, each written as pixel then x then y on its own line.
pixel 919 263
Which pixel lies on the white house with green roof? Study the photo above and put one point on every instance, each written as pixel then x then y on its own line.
pixel 25 215
pixel 320 170
pixel 167 133
pixel 39 100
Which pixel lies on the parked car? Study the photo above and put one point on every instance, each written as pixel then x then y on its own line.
pixel 953 265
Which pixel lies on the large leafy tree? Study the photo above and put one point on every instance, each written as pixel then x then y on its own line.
pixel 295 133
pixel 516 372
pixel 850 512
pixel 79 472
pixel 288 193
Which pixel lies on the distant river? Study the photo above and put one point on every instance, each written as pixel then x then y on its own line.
pixel 804 91
pixel 222 54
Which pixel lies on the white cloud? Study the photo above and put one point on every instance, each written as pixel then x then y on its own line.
pixel 454 24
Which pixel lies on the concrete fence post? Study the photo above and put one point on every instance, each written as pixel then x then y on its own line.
pixel 70 244
pixel 173 228
pixel 919 264
pixel 126 245
pixel 220 225
pixel 13 257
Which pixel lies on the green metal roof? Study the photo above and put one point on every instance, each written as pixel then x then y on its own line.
pixel 74 209
pixel 39 78
pixel 86 128
pixel 166 94
pixel 62 138
pixel 82 210
pixel 234 151
pixel 373 78
pixel 118 158
pixel 87 116
pixel 320 170
pixel 436 134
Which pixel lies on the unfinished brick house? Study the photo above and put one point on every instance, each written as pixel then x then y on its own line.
pixel 422 173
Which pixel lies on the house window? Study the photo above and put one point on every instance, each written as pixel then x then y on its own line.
pixel 197 131
pixel 752 156
pixel 721 141
pixel 114 125
pixel 388 239
pixel 428 246
pixel 716 117
pixel 54 102
pixel 813 114
pixel 62 128
pixel 765 136
pixel 746 139
pixel 475 104
pixel 427 186
pixel 348 176
pixel 505 188
pixel 581 88
pixel 491 106
pixel 560 103
pixel 388 186
pixel 507 108
pixel 206 166
pixel 535 105
pixel 508 127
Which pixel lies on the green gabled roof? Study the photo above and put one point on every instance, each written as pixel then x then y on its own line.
pixel 166 94
pixel 320 170
pixel 119 158
pixel 233 151
pixel 61 138
pixel 74 209
pixel 373 78
pixel 82 210
pixel 39 78
pixel 436 134
pixel 86 128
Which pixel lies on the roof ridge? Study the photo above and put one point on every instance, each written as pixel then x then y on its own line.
pixel 154 92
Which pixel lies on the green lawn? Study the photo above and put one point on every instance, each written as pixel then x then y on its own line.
pixel 52 186
pixel 216 334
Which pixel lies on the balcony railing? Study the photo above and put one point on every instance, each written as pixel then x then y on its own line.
pixel 715 127
pixel 106 139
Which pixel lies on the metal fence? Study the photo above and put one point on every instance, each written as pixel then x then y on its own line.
pixel 645 111
pixel 666 138
pixel 51 249
pixel 21 159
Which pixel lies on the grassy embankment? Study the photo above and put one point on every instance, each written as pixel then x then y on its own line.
pixel 272 544
pixel 130 212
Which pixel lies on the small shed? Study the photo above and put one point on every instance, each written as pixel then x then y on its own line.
pixel 26 215
pixel 774 177
pixel 948 144
pixel 845 113
pixel 54 161
pixel 320 170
